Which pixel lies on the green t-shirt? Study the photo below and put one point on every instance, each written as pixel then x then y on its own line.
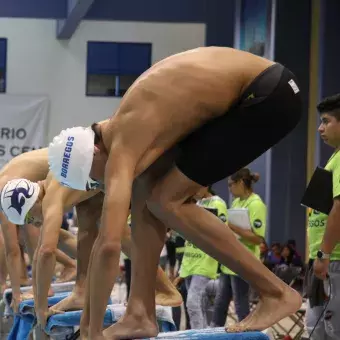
pixel 195 261
pixel 258 216
pixel 317 221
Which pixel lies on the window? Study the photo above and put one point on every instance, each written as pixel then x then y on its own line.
pixel 3 60
pixel 113 67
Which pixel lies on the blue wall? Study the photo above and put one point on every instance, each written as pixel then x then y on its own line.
pixel 289 158
pixel 149 10
pixel 217 14
pixel 55 9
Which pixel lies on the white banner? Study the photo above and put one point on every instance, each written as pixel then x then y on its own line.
pixel 23 124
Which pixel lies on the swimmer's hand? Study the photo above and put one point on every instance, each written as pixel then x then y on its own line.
pixel 43 315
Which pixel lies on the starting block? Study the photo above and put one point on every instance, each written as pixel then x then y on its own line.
pixel 213 334
pixel 62 326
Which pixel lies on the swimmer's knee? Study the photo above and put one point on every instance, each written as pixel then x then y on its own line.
pixel 108 247
pixel 159 205
pixel 46 250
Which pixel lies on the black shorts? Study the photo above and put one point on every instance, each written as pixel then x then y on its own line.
pixel 269 110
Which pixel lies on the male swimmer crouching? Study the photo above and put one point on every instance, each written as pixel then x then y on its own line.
pixel 48 206
pixel 222 94
pixel 32 165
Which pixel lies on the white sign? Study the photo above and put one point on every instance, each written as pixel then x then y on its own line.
pixel 23 124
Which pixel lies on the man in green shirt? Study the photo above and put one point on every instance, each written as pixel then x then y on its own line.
pixel 324 231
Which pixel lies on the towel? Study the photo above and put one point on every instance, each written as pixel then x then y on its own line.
pixel 24 321
pixel 57 287
pixel 60 324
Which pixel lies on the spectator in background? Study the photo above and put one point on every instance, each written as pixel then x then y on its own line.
pixel 297 256
pixel 231 286
pixel 289 257
pixel 274 256
pixel 198 268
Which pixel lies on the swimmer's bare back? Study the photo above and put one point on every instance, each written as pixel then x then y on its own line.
pixel 31 165
pixel 177 95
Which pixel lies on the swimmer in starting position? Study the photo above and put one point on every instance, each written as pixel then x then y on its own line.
pixel 158 150
pixel 48 204
pixel 32 165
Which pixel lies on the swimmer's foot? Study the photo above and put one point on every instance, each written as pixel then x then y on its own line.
pixel 171 298
pixel 84 332
pixel 132 327
pixel 269 311
pixel 72 302
pixel 28 295
pixel 67 275
pixel 243 322
pixel 166 292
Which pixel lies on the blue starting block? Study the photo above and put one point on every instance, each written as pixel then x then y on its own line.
pixel 213 334
pixel 62 326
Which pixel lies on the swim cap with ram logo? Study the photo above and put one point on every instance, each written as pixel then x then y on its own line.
pixel 70 157
pixel 17 197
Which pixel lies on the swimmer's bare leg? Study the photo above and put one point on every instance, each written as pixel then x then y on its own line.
pixel 85 317
pixel 170 204
pixel 148 237
pixel 166 292
pixel 88 213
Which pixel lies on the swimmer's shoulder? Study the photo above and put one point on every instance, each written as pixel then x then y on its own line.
pixel 54 190
pixel 68 197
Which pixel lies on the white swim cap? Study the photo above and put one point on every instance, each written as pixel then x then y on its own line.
pixel 70 157
pixel 17 198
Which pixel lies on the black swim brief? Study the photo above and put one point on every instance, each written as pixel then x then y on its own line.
pixel 269 110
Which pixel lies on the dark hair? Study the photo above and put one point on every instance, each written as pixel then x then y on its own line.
pixel 246 176
pixel 291 252
pixel 331 106
pixel 97 133
pixel 291 243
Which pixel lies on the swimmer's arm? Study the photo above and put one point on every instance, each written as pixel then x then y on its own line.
pixel 119 175
pixel 12 251
pixel 247 235
pixel 332 234
pixel 52 208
